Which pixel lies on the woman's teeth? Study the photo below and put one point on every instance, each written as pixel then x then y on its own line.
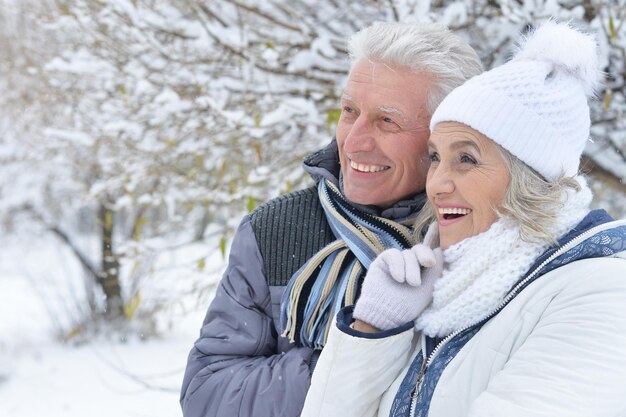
pixel 453 212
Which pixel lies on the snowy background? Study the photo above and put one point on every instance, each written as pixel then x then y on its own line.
pixel 134 134
pixel 121 373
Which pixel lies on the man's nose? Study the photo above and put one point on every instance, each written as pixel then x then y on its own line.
pixel 361 137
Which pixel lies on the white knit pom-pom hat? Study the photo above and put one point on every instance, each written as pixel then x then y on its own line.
pixel 534 106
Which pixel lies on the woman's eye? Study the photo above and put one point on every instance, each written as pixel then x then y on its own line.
pixel 468 159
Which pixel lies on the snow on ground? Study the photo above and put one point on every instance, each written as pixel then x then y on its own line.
pixel 105 377
pixel 133 379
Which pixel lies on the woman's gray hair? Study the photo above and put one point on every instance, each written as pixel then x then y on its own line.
pixel 530 200
pixel 424 47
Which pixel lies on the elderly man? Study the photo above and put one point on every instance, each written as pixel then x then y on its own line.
pixel 298 259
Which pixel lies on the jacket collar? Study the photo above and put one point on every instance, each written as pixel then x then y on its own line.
pixel 591 220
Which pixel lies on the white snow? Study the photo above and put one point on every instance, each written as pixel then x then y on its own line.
pixel 100 379
pixel 97 103
pixel 39 375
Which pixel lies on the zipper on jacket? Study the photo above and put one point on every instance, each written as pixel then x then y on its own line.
pixel 420 379
pixel 572 243
pixel 422 373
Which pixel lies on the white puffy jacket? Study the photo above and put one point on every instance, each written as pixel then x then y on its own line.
pixel 557 349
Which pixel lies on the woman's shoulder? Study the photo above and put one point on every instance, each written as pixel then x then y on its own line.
pixel 589 280
pixel 598 241
pixel 585 279
pixel 602 247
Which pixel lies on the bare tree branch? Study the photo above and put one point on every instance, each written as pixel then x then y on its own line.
pixel 589 165
pixel 266 16
pixel 394 11
pixel 64 237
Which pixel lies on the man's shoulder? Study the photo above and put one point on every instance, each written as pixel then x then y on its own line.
pixel 297 200
pixel 289 230
pixel 293 197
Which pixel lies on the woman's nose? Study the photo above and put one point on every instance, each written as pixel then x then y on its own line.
pixel 439 181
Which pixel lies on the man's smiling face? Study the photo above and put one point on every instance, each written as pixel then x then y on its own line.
pixel 383 134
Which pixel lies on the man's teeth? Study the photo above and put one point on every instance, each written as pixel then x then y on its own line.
pixel 367 168
pixel 454 210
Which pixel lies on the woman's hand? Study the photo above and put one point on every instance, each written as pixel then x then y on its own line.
pixel 398 285
pixel 364 327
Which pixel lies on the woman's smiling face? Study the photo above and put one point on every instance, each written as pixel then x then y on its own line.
pixel 467 180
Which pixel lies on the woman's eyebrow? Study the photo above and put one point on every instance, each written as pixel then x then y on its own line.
pixel 465 143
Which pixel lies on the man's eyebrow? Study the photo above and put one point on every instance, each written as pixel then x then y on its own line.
pixel 347 97
pixel 393 110
pixel 384 109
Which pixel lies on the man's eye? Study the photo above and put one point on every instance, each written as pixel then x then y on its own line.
pixel 434 157
pixel 388 120
pixel 347 109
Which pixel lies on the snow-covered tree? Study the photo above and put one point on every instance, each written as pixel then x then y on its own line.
pixel 153 119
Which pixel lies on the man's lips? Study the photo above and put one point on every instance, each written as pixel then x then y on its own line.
pixel 367 167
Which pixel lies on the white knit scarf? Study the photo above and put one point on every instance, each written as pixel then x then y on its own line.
pixel 479 271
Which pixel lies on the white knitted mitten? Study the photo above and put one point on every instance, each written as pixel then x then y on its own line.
pixel 399 284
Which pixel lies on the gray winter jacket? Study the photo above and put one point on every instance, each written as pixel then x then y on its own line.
pixel 240 366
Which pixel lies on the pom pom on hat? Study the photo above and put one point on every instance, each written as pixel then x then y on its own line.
pixel 564 47
pixel 534 106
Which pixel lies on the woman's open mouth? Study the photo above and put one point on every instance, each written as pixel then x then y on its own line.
pixel 450 213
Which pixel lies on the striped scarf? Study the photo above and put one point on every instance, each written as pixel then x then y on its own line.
pixel 330 279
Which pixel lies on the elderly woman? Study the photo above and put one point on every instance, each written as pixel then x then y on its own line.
pixel 519 309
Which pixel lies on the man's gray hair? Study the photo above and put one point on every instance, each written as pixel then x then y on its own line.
pixel 530 201
pixel 425 47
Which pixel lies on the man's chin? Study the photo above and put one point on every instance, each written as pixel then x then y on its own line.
pixel 365 200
